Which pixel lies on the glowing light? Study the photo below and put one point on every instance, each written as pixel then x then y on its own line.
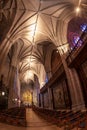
pixel 71 48
pixel 57 51
pixel 15 99
pixel 3 93
pixel 19 101
pixel 78 9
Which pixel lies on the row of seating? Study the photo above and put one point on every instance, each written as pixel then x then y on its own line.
pixel 70 119
pixel 14 116
pixel 17 111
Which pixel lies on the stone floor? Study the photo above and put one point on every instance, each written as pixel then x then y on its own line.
pixel 34 122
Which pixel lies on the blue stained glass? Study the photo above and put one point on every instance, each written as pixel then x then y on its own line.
pixel 46 79
pixel 84 27
pixel 76 39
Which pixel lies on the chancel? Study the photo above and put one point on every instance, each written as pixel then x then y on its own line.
pixel 43 64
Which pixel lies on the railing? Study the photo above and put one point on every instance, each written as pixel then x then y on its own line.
pixel 55 76
pixel 76 50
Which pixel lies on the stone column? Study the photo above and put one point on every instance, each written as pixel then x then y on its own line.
pixel 11 89
pixel 49 74
pixel 4 49
pixel 36 91
pixel 74 86
pixel 35 96
pixel 13 99
pixel 41 97
pixel 18 87
pixel 50 98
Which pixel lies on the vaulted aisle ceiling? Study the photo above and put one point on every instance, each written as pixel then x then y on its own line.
pixel 39 20
pixel 36 21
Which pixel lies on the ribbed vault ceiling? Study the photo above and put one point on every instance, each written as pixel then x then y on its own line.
pixel 39 20
pixel 36 21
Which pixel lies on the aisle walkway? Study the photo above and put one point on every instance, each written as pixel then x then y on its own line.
pixel 34 122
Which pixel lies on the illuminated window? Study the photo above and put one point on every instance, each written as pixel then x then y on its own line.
pixel 46 79
pixel 83 27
